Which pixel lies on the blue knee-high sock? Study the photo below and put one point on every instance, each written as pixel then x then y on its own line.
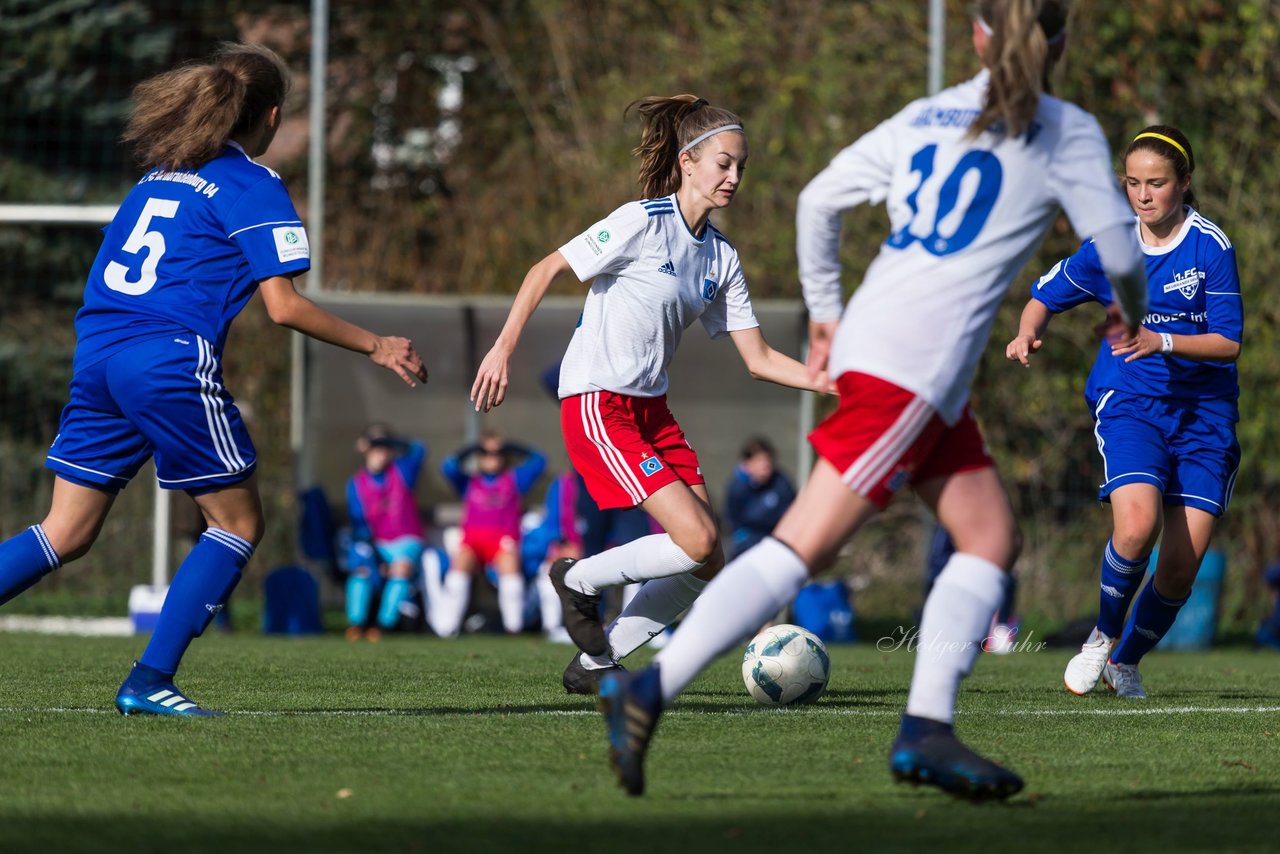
pixel 360 590
pixel 1152 616
pixel 199 591
pixel 25 559
pixel 1121 578
pixel 395 591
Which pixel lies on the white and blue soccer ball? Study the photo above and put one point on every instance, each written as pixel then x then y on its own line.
pixel 786 664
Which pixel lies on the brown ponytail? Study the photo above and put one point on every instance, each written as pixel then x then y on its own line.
pixel 669 125
pixel 1019 60
pixel 181 119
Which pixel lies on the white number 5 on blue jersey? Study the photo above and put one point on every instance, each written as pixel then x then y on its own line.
pixel 116 274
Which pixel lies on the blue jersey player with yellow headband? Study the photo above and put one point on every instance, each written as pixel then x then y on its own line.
pixel 1164 403
pixel 198 234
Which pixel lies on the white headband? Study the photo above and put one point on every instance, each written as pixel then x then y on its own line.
pixel 708 135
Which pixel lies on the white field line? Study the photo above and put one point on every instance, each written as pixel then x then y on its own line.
pixel 811 710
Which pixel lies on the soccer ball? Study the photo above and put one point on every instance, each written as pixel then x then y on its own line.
pixel 786 664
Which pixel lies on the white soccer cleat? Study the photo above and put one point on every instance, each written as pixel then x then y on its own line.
pixel 1084 670
pixel 1125 680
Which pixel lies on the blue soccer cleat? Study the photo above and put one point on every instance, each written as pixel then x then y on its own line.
pixel 632 704
pixel 149 692
pixel 928 751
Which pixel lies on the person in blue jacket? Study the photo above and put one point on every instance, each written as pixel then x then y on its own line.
pixel 387 530
pixel 757 495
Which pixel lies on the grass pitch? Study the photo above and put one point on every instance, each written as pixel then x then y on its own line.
pixel 419 744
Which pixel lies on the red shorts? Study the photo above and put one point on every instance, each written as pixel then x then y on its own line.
pixel 488 543
pixel 626 448
pixel 882 437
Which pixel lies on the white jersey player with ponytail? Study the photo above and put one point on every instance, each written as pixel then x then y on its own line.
pixel 656 266
pixel 973 177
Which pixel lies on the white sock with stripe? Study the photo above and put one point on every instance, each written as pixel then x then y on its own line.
pixel 654 556
pixel 657 604
pixel 743 597
pixel 957 616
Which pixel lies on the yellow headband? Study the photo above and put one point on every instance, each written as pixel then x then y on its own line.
pixel 1164 138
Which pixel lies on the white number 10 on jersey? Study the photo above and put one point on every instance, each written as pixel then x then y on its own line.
pixel 117 275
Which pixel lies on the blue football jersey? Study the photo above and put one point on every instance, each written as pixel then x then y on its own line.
pixel 1193 289
pixel 186 251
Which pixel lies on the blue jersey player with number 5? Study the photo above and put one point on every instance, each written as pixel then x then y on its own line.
pixel 1164 404
pixel 193 240
pixel 973 177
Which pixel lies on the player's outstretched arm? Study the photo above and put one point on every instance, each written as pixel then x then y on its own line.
pixel 1035 320
pixel 765 363
pixel 290 309
pixel 490 386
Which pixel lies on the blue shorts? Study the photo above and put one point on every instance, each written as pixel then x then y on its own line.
pixel 1189 454
pixel 164 398
pixel 408 548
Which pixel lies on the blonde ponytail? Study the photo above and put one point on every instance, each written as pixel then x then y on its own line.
pixel 1019 59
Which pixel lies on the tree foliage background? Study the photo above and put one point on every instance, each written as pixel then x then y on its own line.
pixel 468 138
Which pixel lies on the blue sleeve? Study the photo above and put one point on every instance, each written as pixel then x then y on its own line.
pixel 528 472
pixel 410 463
pixel 1074 281
pixel 1222 296
pixel 451 468
pixel 266 227
pixel 355 511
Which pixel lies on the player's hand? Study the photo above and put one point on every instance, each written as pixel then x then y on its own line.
pixel 1145 343
pixel 490 387
pixel 397 354
pixel 1115 326
pixel 1021 348
pixel 820 335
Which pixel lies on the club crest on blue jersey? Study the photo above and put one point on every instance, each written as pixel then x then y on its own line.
pixel 709 289
pixel 650 466
pixel 1188 282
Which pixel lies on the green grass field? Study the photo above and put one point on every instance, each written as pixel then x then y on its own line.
pixel 419 744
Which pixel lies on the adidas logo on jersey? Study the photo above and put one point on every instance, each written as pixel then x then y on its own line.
pixel 668 268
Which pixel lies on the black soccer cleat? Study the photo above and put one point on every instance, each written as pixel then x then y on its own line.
pixel 583 680
pixel 581 612
pixel 928 752
pixel 631 704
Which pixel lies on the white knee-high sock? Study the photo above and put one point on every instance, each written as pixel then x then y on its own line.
pixel 744 596
pixel 548 601
pixel 656 605
pixel 511 602
pixel 654 556
pixel 957 616
pixel 456 595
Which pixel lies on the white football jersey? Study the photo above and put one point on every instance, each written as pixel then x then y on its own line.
pixel 965 215
pixel 652 279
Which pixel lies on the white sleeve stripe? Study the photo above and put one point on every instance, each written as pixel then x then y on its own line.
pixel 1212 227
pixel 1223 293
pixel 1073 282
pixel 1219 237
pixel 297 222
